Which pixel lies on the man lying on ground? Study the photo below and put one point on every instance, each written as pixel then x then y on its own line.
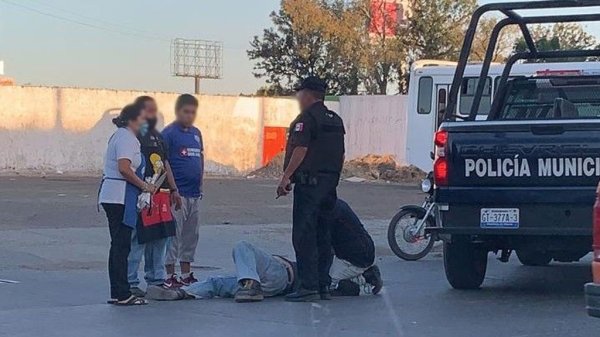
pixel 260 274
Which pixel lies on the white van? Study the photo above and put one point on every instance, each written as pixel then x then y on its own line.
pixel 430 86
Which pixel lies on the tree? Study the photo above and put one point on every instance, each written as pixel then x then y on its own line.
pixel 330 39
pixel 303 42
pixel 436 28
pixel 560 36
pixel 504 46
pixel 381 54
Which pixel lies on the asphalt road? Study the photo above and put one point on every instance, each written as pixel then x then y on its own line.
pixel 60 202
pixel 54 244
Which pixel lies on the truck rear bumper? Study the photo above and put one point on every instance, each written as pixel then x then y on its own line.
pixel 534 220
pixel 592 299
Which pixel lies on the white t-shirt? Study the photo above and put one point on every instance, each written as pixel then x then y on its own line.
pixel 123 144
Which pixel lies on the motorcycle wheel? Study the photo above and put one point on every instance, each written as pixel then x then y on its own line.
pixel 401 242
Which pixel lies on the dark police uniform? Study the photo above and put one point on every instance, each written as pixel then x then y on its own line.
pixel 316 180
pixel 349 238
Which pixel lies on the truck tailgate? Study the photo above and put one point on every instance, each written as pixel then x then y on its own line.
pixel 548 170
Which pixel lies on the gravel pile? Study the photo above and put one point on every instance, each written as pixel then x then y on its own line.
pixel 367 168
pixel 382 168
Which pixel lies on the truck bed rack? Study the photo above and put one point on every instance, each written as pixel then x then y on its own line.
pixel 513 18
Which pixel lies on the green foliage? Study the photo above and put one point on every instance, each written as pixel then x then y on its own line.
pixel 560 36
pixel 436 28
pixel 331 39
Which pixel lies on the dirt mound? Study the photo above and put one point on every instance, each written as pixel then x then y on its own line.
pixel 273 169
pixel 384 167
pixel 370 167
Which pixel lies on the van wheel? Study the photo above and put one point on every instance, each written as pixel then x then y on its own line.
pixel 465 264
pixel 533 258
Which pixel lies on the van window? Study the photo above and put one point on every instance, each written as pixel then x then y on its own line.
pixel 467 96
pixel 425 94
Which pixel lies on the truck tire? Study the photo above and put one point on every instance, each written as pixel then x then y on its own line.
pixel 533 258
pixel 465 264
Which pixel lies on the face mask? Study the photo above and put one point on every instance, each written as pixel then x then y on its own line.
pixel 144 129
pixel 152 123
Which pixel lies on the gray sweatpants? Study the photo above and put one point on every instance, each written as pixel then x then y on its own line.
pixel 182 246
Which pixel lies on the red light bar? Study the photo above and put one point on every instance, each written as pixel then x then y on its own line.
pixel 549 72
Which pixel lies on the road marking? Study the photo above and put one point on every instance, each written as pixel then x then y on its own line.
pixel 9 281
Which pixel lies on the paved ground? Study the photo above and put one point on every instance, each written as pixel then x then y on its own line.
pixel 54 244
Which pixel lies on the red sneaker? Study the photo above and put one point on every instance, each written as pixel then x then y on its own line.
pixel 188 280
pixel 173 282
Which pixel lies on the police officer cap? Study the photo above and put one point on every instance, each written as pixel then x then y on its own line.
pixel 313 83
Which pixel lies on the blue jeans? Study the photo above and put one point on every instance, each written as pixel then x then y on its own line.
pixel 251 263
pixel 154 261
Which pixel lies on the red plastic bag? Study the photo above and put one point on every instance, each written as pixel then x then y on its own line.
pixel 159 210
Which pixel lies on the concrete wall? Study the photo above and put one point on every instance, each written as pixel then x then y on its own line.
pixel 66 129
pixel 375 125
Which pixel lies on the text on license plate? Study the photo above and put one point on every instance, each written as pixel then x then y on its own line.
pixel 499 218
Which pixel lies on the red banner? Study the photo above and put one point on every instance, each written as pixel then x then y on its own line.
pixel 384 17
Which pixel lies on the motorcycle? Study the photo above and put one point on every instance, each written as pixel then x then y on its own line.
pixel 406 232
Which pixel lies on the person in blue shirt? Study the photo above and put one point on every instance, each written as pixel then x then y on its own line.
pixel 186 157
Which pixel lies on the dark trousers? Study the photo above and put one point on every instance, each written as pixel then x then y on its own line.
pixel 120 245
pixel 312 242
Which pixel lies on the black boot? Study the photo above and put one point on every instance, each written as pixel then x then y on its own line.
pixel 346 288
pixel 324 293
pixel 303 295
pixel 373 277
pixel 250 292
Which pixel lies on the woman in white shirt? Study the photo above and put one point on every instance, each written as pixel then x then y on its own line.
pixel 121 185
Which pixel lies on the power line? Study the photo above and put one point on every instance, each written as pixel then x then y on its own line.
pixel 83 23
pixel 99 20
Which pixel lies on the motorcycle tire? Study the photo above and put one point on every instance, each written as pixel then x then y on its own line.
pixel 413 212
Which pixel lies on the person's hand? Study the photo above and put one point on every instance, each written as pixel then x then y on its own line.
pixel 176 200
pixel 284 188
pixel 149 188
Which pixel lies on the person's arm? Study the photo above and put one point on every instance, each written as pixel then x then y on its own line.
pixel 175 197
pixel 128 148
pixel 300 136
pixel 131 177
pixel 296 159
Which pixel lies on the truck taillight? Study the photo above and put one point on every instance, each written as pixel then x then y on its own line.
pixel 440 166
pixel 440 171
pixel 596 229
pixel 441 138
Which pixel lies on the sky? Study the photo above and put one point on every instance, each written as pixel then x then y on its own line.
pixel 125 44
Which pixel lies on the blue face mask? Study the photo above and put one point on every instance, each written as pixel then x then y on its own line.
pixel 144 128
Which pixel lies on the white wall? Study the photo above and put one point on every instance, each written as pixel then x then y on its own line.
pixel 375 125
pixel 66 129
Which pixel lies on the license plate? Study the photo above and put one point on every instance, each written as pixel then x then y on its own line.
pixel 499 218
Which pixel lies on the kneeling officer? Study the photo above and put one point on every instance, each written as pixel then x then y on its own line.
pixel 313 163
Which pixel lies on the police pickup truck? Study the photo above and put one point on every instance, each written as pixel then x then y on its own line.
pixel 524 179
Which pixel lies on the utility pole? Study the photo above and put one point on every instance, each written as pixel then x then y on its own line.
pixel 197 85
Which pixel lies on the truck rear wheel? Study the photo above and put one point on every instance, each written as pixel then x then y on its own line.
pixel 533 258
pixel 465 264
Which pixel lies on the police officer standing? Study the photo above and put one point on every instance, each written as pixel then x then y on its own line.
pixel 313 163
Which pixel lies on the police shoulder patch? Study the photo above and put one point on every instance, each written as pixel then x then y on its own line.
pixel 299 127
